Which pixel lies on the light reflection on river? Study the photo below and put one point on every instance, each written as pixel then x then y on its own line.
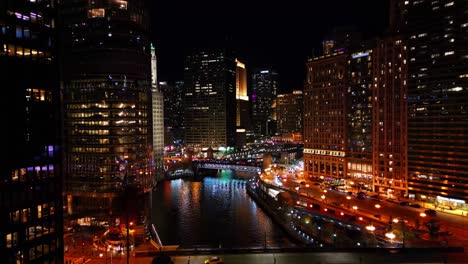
pixel 213 212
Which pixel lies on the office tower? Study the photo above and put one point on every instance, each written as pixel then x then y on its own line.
pixel 31 177
pixel 210 99
pixel 389 105
pixel 289 110
pixel 437 33
pixel 173 112
pixel 325 117
pixel 263 96
pixel 158 119
pixel 359 118
pixel 107 106
pixel 242 104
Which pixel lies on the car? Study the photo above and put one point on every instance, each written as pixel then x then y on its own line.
pixel 303 182
pixel 214 260
pixel 404 203
pixel 430 212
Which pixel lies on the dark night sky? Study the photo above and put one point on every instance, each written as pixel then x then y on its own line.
pixel 277 33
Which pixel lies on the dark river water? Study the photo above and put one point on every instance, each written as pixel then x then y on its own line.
pixel 212 212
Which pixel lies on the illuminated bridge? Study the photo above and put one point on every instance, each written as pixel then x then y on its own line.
pixel 224 166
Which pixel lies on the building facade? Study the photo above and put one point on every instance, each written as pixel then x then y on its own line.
pixel 107 105
pixel 30 174
pixel 157 108
pixel 173 112
pixel 263 95
pixel 359 118
pixel 289 109
pixel 389 105
pixel 437 36
pixel 242 105
pixel 210 99
pixel 325 117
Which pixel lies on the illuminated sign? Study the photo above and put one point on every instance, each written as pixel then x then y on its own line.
pixel 359 55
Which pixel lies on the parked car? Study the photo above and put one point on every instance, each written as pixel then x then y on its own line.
pixel 214 260
pixel 430 212
pixel 404 203
pixel 415 205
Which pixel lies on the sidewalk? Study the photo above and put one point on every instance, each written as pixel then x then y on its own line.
pixel 454 212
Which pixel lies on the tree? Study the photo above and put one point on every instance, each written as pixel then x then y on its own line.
pixel 433 227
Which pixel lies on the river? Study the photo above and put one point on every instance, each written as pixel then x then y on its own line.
pixel 212 212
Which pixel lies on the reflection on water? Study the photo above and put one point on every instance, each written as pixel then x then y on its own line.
pixel 216 211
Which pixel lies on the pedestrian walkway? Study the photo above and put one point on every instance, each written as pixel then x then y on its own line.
pixel 447 211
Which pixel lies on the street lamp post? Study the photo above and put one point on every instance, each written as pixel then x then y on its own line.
pixel 403 229
pixel 371 229
pixel 355 209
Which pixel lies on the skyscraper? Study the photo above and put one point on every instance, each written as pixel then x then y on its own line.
pixel 157 107
pixel 389 105
pixel 289 112
pixel 242 104
pixel 173 112
pixel 210 99
pixel 359 118
pixel 263 95
pixel 30 174
pixel 107 104
pixel 437 33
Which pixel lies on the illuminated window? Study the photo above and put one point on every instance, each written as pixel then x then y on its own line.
pixel 96 12
pixel 120 4
pixel 11 239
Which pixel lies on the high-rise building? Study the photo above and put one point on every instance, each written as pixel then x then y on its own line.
pixel 107 105
pixel 289 110
pixel 263 96
pixel 437 36
pixel 210 99
pixel 157 108
pixel 242 104
pixel 359 118
pixel 30 174
pixel 325 117
pixel 173 112
pixel 389 105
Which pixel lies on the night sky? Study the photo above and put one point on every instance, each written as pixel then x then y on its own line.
pixel 277 33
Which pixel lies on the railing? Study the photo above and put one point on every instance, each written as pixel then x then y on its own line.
pixel 229 167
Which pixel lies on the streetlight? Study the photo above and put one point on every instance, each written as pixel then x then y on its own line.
pixel 348 198
pixel 377 206
pixel 390 235
pixel 403 229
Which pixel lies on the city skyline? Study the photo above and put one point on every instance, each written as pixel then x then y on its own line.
pixel 136 129
pixel 265 34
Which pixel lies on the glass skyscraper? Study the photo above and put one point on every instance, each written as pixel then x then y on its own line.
pixel 210 99
pixel 107 104
pixel 437 33
pixel 30 174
